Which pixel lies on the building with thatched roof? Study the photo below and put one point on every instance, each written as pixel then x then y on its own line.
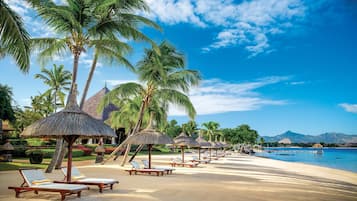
pixel 91 104
pixel 285 141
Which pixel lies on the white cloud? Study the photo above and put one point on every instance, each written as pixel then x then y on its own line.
pixel 349 107
pixel 217 96
pixel 173 12
pixel 249 23
pixel 115 83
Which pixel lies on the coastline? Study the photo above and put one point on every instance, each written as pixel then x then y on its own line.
pixel 232 178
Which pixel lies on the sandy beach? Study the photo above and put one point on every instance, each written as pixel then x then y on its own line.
pixel 235 177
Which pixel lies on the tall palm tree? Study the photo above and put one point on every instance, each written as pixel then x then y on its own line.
pixel 58 80
pixel 165 78
pixel 14 39
pixel 126 25
pixel 83 24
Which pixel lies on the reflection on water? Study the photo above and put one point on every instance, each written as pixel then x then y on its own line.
pixel 345 158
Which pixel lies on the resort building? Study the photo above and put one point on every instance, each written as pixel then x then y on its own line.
pixel 90 106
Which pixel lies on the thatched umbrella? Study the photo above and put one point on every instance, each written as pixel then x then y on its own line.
pixel 183 140
pixel 203 143
pixel 317 145
pixel 149 137
pixel 69 124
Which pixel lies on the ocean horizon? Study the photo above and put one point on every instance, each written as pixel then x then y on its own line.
pixel 337 158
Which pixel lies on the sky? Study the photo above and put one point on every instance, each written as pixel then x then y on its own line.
pixel 275 65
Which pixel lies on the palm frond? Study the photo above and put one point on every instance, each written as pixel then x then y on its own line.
pixel 14 39
pixel 177 98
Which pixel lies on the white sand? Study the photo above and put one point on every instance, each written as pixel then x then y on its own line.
pixel 236 177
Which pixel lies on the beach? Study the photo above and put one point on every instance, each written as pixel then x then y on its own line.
pixel 234 177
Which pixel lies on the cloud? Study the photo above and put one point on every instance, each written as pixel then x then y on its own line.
pixel 249 23
pixel 217 96
pixel 115 83
pixel 349 107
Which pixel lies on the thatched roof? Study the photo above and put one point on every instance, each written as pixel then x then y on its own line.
pixel 91 104
pixel 184 140
pixel 202 142
pixel 317 145
pixel 149 136
pixel 70 121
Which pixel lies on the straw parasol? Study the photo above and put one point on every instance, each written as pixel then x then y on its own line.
pixel 203 143
pixel 183 140
pixel 317 145
pixel 69 124
pixel 149 137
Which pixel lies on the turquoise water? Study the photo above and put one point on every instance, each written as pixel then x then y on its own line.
pixel 341 158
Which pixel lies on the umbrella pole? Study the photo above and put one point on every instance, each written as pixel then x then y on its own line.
pixel 70 140
pixel 183 154
pixel 210 153
pixel 150 146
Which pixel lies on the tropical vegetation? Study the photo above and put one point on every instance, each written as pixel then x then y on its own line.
pixel 164 80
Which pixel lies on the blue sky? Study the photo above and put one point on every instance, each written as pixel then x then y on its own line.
pixel 276 65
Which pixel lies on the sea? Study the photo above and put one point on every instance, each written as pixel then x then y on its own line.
pixel 338 158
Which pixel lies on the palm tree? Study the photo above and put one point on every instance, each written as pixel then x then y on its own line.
pixel 84 24
pixel 211 129
pixel 126 25
pixel 87 24
pixel 58 80
pixel 165 79
pixel 14 39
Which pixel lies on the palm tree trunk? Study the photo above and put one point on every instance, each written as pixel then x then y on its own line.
pixel 75 70
pixel 61 156
pixel 135 130
pixel 89 79
pixel 59 143
pixel 60 150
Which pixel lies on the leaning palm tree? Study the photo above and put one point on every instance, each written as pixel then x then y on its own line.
pixel 165 78
pixel 58 80
pixel 14 39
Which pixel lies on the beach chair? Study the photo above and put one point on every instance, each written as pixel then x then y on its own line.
pixel 168 170
pixel 195 159
pixel 78 178
pixel 136 168
pixel 178 162
pixel 35 180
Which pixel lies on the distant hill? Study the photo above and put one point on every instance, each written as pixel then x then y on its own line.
pixel 325 137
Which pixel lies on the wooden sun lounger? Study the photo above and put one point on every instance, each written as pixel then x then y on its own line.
pixel 34 180
pixel 78 178
pixel 148 171
pixel 191 165
pixel 168 170
pixel 136 168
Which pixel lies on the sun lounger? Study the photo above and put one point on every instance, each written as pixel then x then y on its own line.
pixel 78 178
pixel 195 159
pixel 35 180
pixel 168 170
pixel 136 168
pixel 178 162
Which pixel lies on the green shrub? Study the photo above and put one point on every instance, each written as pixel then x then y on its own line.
pixel 17 142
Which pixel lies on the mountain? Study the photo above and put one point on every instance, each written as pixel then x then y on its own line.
pixel 338 138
